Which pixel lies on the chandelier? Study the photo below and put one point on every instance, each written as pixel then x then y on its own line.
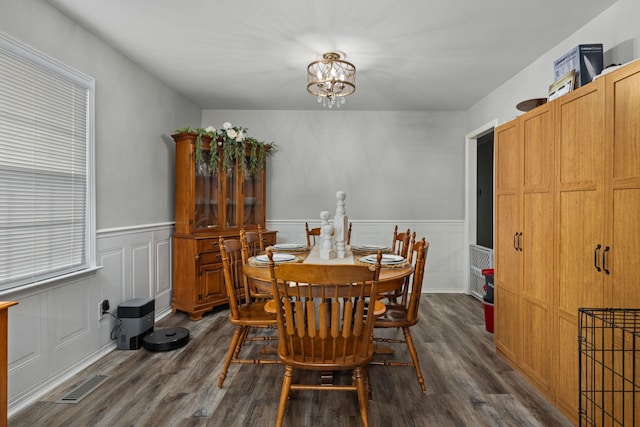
pixel 330 79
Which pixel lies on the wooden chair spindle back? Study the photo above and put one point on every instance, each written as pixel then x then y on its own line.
pixel 421 248
pixel 234 279
pixel 400 245
pixel 321 312
pixel 312 234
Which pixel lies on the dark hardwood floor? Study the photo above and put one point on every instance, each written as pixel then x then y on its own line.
pixel 467 384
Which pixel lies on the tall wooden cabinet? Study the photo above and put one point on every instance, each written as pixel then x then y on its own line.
pixel 586 253
pixel 209 204
pixel 580 223
pixel 524 263
pixel 507 256
pixel 599 201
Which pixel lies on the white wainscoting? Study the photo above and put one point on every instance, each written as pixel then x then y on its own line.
pixel 56 330
pixel 445 269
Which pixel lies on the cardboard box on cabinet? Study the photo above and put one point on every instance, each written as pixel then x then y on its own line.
pixel 586 59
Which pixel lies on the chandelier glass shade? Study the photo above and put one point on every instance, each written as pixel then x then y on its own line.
pixel 330 79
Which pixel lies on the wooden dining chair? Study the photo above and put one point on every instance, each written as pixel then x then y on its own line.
pixel 254 240
pixel 404 314
pixel 312 234
pixel 252 245
pixel 396 293
pixel 400 245
pixel 323 324
pixel 410 251
pixel 244 313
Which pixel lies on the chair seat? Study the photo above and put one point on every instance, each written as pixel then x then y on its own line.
pixel 394 316
pixel 270 306
pixel 253 314
pixel 379 308
pixel 331 358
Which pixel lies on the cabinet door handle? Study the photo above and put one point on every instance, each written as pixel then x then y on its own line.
pixel 604 259
pixel 595 257
pixel 214 244
pixel 515 240
pixel 219 256
pixel 520 241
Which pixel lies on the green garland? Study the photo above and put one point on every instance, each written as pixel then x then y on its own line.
pixel 232 150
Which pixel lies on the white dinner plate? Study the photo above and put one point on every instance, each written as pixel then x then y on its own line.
pixel 288 246
pixel 386 259
pixel 276 258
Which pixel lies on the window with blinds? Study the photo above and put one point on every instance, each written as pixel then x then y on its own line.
pixel 46 168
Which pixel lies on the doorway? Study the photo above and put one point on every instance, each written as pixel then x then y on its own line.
pixel 479 206
pixel 484 191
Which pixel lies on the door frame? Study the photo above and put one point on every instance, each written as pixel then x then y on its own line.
pixel 471 183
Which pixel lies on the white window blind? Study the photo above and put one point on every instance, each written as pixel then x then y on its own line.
pixel 45 168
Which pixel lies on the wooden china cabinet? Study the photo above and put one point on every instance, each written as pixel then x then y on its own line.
pixel 209 204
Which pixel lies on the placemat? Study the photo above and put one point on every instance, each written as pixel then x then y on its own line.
pixel 288 250
pixel 370 251
pixel 255 263
pixel 404 264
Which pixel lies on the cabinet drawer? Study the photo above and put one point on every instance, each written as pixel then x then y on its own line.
pixel 269 238
pixel 210 258
pixel 209 245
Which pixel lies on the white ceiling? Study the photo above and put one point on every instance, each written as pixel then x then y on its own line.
pixel 409 54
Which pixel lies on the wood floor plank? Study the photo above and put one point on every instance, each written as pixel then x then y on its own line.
pixel 467 383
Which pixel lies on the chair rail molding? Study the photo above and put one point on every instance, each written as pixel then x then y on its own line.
pixel 445 270
pixel 56 331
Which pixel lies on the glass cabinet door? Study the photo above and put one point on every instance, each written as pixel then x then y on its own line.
pixel 253 203
pixel 231 192
pixel 206 191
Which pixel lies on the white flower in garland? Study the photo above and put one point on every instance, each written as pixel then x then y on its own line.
pixel 231 133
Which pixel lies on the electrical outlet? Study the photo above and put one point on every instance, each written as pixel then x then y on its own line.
pixel 104 308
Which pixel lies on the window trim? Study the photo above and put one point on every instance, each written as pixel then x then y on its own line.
pixel 30 54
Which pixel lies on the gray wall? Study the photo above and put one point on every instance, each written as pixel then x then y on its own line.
pixel 134 114
pixel 56 330
pixel 393 165
pixel 616 28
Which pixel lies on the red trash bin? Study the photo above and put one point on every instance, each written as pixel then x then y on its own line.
pixel 488 284
pixel 488 316
pixel 487 301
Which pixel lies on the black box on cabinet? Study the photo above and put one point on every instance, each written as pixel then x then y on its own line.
pixel 586 59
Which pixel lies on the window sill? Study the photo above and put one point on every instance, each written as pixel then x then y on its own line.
pixel 51 281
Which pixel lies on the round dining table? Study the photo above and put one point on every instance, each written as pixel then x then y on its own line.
pixel 391 277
